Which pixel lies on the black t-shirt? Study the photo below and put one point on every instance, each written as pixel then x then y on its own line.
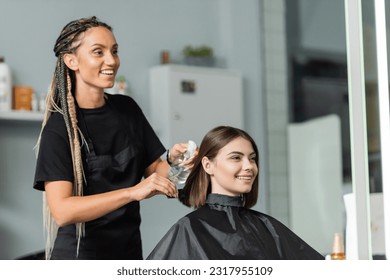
pixel 117 129
pixel 105 129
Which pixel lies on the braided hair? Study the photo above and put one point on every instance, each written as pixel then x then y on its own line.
pixel 61 99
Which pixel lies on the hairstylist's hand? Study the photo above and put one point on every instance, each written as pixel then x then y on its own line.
pixel 153 185
pixel 179 149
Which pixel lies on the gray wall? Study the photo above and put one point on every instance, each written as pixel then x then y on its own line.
pixel 28 29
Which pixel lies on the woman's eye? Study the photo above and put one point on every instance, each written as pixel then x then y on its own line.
pixel 97 52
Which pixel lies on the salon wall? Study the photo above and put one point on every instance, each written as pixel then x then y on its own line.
pixel 28 30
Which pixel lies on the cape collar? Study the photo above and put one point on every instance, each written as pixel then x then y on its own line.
pixel 225 200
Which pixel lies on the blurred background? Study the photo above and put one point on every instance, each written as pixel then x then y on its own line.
pixel 287 62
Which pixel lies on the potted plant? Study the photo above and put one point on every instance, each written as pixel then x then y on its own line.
pixel 200 56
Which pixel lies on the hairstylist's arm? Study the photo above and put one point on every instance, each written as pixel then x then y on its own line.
pixel 69 209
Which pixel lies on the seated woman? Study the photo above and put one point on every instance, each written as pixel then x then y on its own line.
pixel 223 186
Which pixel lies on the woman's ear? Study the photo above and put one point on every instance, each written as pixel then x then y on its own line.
pixel 207 165
pixel 71 61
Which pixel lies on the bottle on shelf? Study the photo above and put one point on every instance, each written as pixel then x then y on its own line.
pixel 34 103
pixel 42 103
pixel 338 252
pixel 178 173
pixel 5 86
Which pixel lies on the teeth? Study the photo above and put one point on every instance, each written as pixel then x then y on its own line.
pixel 107 72
pixel 244 177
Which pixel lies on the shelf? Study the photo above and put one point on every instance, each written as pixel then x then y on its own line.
pixel 22 116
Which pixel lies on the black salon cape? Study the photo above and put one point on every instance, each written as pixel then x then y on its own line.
pixel 224 229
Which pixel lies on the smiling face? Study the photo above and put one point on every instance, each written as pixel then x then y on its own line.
pixel 96 60
pixel 234 169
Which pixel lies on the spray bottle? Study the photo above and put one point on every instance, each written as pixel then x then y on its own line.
pixel 178 173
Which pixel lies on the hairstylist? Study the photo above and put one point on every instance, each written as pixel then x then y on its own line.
pixel 97 154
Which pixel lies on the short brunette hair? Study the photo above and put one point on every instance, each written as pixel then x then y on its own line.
pixel 198 184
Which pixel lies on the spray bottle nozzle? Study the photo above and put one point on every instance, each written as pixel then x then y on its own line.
pixel 191 148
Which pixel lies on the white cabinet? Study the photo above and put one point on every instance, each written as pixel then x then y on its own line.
pixel 187 101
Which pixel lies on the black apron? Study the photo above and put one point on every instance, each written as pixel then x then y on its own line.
pixel 117 234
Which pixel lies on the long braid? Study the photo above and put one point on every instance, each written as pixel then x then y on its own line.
pixel 76 142
pixel 76 157
pixel 61 99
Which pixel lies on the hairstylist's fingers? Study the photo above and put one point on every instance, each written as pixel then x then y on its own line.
pixel 156 184
pixel 177 150
pixel 189 163
pixel 165 186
